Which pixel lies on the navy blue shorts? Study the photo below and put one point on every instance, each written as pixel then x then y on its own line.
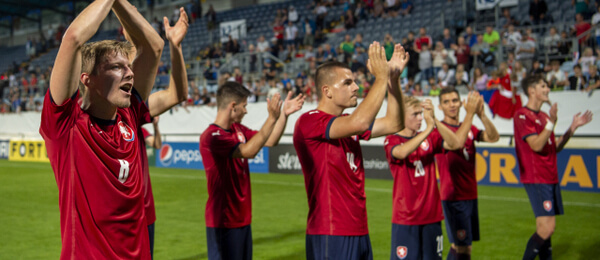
pixel 545 199
pixel 151 236
pixel 462 221
pixel 415 242
pixel 229 243
pixel 338 247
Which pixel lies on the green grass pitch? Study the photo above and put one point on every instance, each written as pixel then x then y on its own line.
pixel 30 227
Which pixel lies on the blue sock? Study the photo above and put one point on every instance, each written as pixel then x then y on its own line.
pixel 546 250
pixel 452 255
pixel 533 247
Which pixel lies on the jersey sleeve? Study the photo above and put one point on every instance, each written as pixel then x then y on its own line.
pixel 367 135
pixel 524 125
pixel 477 134
pixel 391 141
pixel 145 133
pixel 222 146
pixel 58 119
pixel 315 125
pixel 436 141
pixel 248 133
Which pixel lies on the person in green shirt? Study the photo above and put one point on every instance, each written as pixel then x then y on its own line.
pixel 492 37
pixel 389 46
pixel 347 45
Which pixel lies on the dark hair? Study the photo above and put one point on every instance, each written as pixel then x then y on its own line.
pixel 323 72
pixel 448 90
pixel 231 91
pixel 577 66
pixel 529 81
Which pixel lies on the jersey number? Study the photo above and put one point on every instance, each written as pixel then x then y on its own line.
pixel 440 244
pixel 466 154
pixel 419 170
pixel 124 171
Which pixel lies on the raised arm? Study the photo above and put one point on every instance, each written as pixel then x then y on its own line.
pixel 537 142
pixel 578 120
pixel 163 100
pixel 363 117
pixel 155 140
pixel 454 141
pixel 67 66
pixel 394 118
pixel 253 146
pixel 490 133
pixel 290 106
pixel 402 151
pixel 148 46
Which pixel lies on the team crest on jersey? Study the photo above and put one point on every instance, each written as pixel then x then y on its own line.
pixel 425 145
pixel 461 234
pixel 547 205
pixel 401 252
pixel 241 137
pixel 126 131
pixel 470 135
pixel 354 137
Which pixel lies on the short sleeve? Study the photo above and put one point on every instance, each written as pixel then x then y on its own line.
pixel 315 125
pixel 222 146
pixel 248 133
pixel 390 142
pixel 477 134
pixel 140 110
pixel 436 141
pixel 145 133
pixel 524 125
pixel 58 119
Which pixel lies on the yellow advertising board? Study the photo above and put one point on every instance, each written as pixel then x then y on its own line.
pixel 27 150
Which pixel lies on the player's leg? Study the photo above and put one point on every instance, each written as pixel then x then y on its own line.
pixel 545 204
pixel 546 249
pixel 366 251
pixel 432 241
pixel 229 243
pixel 459 215
pixel 151 236
pixel 406 242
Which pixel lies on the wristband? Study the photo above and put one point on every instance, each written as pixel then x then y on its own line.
pixel 549 126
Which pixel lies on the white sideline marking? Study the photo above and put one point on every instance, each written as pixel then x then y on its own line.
pixel 484 197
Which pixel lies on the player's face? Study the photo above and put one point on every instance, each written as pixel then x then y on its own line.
pixel 541 91
pixel 113 80
pixel 239 111
pixel 344 90
pixel 414 117
pixel 450 104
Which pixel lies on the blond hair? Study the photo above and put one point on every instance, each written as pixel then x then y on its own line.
pixel 410 101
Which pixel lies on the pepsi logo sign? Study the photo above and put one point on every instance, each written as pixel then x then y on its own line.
pixel 166 154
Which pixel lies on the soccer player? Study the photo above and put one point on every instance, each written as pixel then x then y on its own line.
pixel 417 211
pixel 326 141
pixel 225 146
pixel 91 137
pixel 458 183
pixel 154 141
pixel 536 149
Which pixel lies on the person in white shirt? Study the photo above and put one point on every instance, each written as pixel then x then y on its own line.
pixel 525 51
pixel 292 14
pixel 291 33
pixel 556 78
pixel 595 21
pixel 261 44
pixel 446 76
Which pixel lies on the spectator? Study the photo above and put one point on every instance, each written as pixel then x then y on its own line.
pixel 434 88
pixel 262 45
pixel 413 62
pixel 278 31
pixel 525 51
pixel 492 37
pixel 291 33
pixel 480 80
pixel 581 6
pixel 321 12
pixel 505 101
pixel 238 77
pixel 580 28
pixel 299 86
pixel 309 53
pixel 565 44
pixel 274 88
pixel 462 53
pixel 587 59
pixel 447 38
pixel 423 39
pixel 439 56
pixel 388 45
pixel 445 76
pixel 461 79
pixel 552 42
pixel 391 7
pixel 510 39
pixel 349 20
pixel 211 18
pixel 596 21
pixel 557 79
pixel 577 81
pixel 425 63
pixel 293 14
pixel 510 20
pixel 232 46
pixel 347 46
pixel 309 28
pixel 358 42
pixel 406 7
pixel 470 37
pixel 537 11
pixel 537 68
pixel 519 72
pixel 593 79
pixel 360 12
pixel 262 89
pixel 417 91
pixel 481 53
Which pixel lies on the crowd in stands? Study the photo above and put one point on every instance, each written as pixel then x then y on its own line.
pixel 495 60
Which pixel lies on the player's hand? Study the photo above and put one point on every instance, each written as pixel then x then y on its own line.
pixel 472 102
pixel 398 61
pixel 581 120
pixel 274 106
pixel 176 33
pixel 292 105
pixel 377 63
pixel 553 113
pixel 428 113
